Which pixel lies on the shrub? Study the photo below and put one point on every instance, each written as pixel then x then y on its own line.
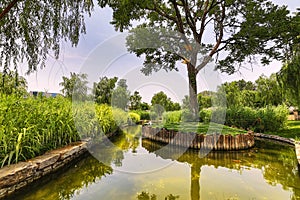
pixel 241 117
pixel 144 115
pixel 272 118
pixel 172 117
pixel 187 116
pixel 153 115
pixel 205 115
pixel 134 118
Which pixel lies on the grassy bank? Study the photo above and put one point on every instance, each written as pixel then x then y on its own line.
pixel 291 131
pixel 201 128
pixel 31 126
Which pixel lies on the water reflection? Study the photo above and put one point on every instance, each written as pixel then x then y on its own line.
pixel 66 184
pixel 277 163
pixel 268 171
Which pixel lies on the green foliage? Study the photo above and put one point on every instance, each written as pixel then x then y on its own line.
pixel 110 118
pixel 161 102
pixel 120 96
pixel 144 115
pixel 103 90
pixel 134 117
pixel 265 91
pixel 31 126
pixel 272 118
pixel 187 115
pixel 205 99
pixel 172 117
pixel 289 80
pixel 12 83
pixel 75 87
pixel 145 106
pixel 205 115
pixel 33 29
pixel 135 101
pixel 242 117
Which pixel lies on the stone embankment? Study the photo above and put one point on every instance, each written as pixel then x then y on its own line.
pixel 17 176
pixel 297 149
pixel 282 139
pixel 198 141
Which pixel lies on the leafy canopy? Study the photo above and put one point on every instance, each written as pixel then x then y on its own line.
pixel 32 30
pixel 240 28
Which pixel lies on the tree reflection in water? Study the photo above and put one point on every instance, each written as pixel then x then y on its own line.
pixel 277 163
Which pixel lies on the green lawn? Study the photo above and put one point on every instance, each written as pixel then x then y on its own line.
pixel 292 131
pixel 201 128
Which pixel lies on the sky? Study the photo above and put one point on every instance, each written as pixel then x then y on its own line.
pixel 102 52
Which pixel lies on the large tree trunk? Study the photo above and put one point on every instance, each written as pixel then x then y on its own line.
pixel 194 107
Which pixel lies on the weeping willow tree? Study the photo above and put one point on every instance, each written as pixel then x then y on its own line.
pixel 289 75
pixel 31 30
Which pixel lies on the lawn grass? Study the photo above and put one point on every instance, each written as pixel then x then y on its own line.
pixel 201 128
pixel 291 131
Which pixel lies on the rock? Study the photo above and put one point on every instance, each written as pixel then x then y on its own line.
pixel 45 160
pixel 11 175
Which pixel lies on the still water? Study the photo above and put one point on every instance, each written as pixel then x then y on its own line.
pixel 139 169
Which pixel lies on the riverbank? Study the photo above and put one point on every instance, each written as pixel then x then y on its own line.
pixel 17 176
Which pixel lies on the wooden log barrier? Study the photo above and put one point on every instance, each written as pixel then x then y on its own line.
pixel 197 141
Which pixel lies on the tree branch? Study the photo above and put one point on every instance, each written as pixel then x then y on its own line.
pixel 161 12
pixel 218 42
pixel 8 8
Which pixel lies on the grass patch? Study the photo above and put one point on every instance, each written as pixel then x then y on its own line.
pixel 291 131
pixel 201 128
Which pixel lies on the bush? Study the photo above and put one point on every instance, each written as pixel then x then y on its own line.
pixel 144 115
pixel 153 115
pixel 187 116
pixel 172 117
pixel 272 118
pixel 134 118
pixel 205 115
pixel 242 117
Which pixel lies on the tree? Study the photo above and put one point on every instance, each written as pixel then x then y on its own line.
pixel 75 87
pixel 145 106
pixel 289 81
pixel 289 75
pixel 103 90
pixel 12 83
pixel 120 96
pixel 135 101
pixel 161 102
pixel 32 30
pixel 205 99
pixel 269 91
pixel 241 29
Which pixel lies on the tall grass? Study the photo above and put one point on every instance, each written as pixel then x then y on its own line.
pixel 31 126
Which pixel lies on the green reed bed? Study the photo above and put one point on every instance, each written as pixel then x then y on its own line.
pixel 31 126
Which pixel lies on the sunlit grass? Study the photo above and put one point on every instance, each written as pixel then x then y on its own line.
pixel 201 128
pixel 291 131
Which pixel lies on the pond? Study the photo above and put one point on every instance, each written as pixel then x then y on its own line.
pixel 139 169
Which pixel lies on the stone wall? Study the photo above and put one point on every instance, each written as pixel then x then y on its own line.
pixel 17 176
pixel 197 141
pixel 297 148
pixel 275 137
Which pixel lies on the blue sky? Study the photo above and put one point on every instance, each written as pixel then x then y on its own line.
pixel 93 57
